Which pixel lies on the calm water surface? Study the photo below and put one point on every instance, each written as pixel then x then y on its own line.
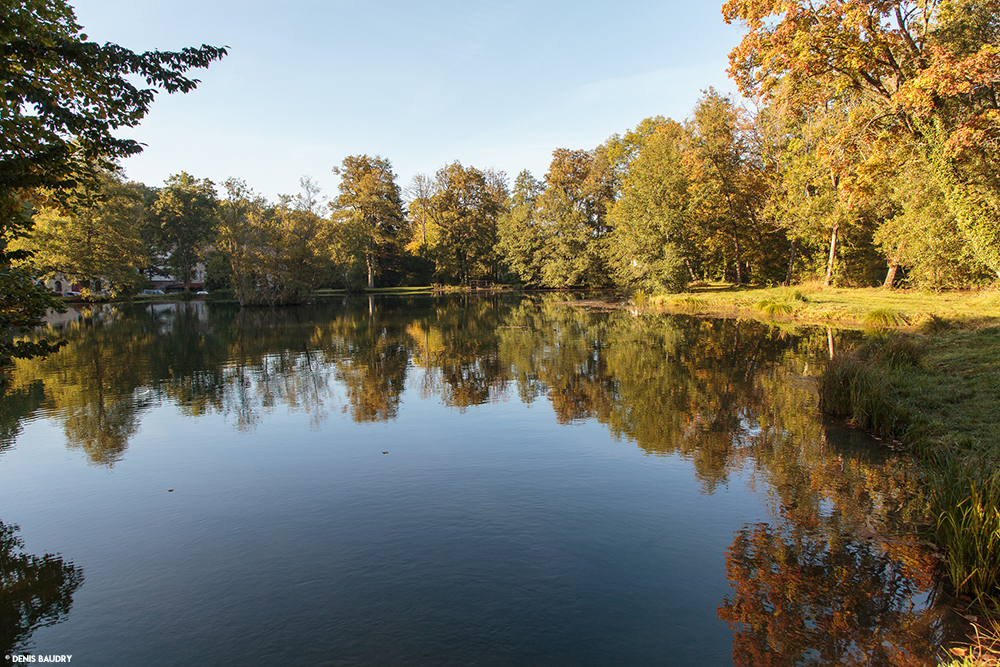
pixel 447 481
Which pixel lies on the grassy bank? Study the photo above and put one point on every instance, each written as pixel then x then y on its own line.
pixel 815 304
pixel 938 393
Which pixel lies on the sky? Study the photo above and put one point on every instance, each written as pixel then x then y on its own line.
pixel 423 83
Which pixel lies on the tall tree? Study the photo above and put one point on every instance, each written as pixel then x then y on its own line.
pixel 63 100
pixel 726 186
pixel 925 73
pixel 573 210
pixel 244 235
pixel 520 238
pixel 186 211
pixel 649 246
pixel 369 210
pixel 465 208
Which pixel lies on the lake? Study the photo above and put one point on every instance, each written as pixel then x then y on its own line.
pixel 476 479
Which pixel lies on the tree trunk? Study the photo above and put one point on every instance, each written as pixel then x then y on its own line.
pixel 833 255
pixel 371 271
pixel 890 277
pixel 687 263
pixel 791 263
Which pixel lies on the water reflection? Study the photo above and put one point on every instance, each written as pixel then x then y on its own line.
pixel 37 591
pixel 831 578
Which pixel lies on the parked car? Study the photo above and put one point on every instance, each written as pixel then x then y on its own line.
pixel 151 292
pixel 70 292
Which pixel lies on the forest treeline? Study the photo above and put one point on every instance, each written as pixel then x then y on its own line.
pixel 868 153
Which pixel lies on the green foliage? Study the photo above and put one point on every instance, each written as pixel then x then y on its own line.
pixel 99 244
pixel 65 97
pixel 63 100
pixel 464 206
pixel 572 212
pixel 648 247
pixel 520 240
pixel 23 302
pixel 218 272
pixel 368 214
pixel 924 235
pixel 186 212
pixel 274 255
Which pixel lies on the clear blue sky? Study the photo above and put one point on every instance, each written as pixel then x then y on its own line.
pixel 421 82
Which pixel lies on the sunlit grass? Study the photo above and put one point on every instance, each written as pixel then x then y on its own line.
pixel 814 303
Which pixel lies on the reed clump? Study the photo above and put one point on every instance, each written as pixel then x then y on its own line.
pixel 965 499
pixel 856 385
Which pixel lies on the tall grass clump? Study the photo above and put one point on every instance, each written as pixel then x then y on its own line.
pixel 891 351
pixel 931 324
pixel 857 385
pixel 883 318
pixel 859 390
pixel 965 499
pixel 771 307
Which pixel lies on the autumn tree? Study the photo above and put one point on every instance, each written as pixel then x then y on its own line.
pixel 278 254
pixel 458 213
pixel 924 74
pixel 244 234
pixel 728 184
pixel 368 212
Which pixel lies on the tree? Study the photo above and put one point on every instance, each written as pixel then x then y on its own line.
pixel 186 211
pixel 464 210
pixel 63 100
pixel 369 210
pixel 519 235
pixel 648 245
pixel 723 180
pixel 573 212
pixel 243 235
pixel 278 255
pixel 98 245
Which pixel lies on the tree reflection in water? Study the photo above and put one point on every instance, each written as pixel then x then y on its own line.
pixel 828 580
pixel 37 591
